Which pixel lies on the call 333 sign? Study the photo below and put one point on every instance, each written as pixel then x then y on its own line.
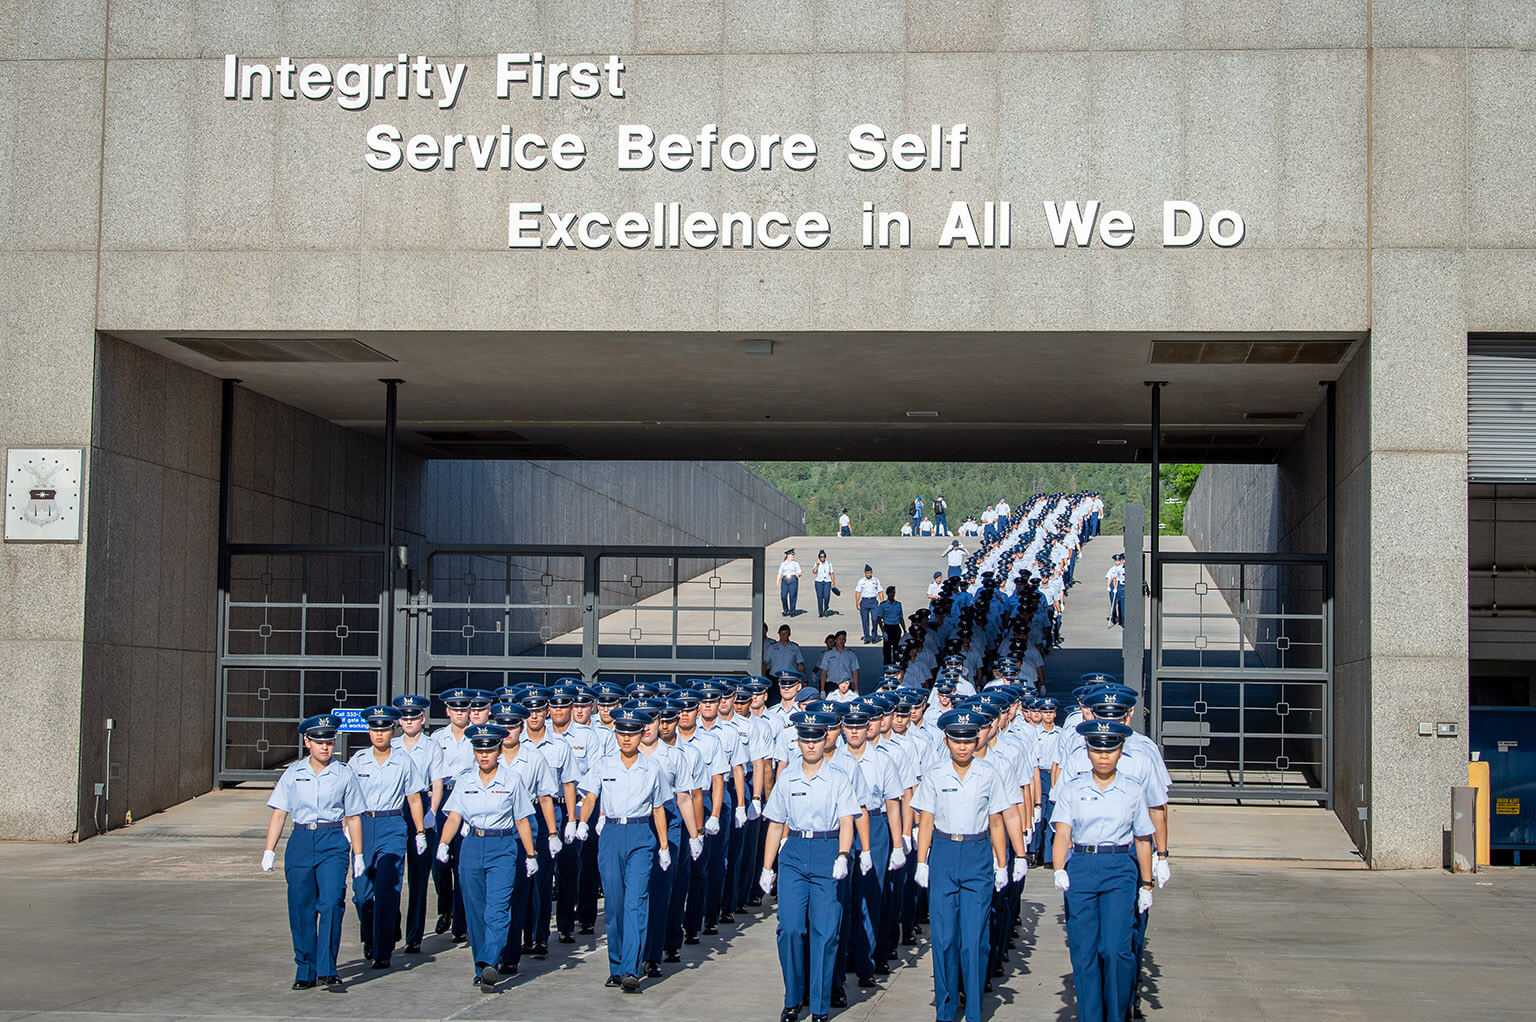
pixel 42 494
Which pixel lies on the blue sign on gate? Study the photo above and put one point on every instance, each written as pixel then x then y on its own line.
pixel 351 720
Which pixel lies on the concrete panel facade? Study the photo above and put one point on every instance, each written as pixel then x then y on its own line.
pixel 1378 152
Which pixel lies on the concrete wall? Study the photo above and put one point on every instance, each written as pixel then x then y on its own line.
pixel 150 611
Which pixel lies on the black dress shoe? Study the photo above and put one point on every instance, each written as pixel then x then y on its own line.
pixel 527 947
pixel 755 900
pixel 653 970
pixel 711 930
pixel 867 981
pixel 839 998
pixel 631 983
pixel 506 969
pixel 881 969
pixel 909 940
pixel 690 938
pixel 303 984
pixel 986 987
pixel 459 938
pixel 379 963
pixel 726 919
pixel 411 949
pixel 540 949
pixel 566 938
pixel 614 981
pixel 997 971
pixel 329 981
pixel 671 956
pixel 790 1014
pixel 584 929
pixel 443 922
pixel 368 951
pixel 820 1018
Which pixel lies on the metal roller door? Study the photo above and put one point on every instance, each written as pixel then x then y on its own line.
pixel 1501 410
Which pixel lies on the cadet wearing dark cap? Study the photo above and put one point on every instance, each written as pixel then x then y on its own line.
pixel 634 793
pixel 415 742
pixel 391 784
pixel 1101 818
pixel 811 811
pixel 324 798
pixel 495 805
pixel 962 860
pixel 455 755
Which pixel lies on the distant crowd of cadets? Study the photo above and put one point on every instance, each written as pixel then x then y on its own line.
pixel 686 803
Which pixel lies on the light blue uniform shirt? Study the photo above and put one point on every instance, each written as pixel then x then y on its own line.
pixel 712 754
pixel 1135 765
pixel 533 769
pixel 424 756
pixel 816 803
pixel 455 755
pixel 325 797
pixel 497 805
pixel 961 805
pixel 557 753
pixel 878 772
pixel 840 665
pixel 730 738
pixel 385 785
pixel 583 740
pixel 626 791
pixel 1048 748
pixel 678 767
pixel 1109 817
pixel 785 656
pixel 1009 772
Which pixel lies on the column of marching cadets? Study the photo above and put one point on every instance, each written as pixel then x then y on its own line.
pixel 684 804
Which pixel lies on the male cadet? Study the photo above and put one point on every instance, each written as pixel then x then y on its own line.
pixel 716 708
pixel 690 766
pixel 839 664
pixel 844 526
pixel 789 582
pixel 867 594
pixel 454 756
pixel 1115 581
pixel 1003 519
pixel 608 697
pixel 418 865
pixel 557 753
pixel 989 524
pixel 716 760
pixel 391 785
pixel 579 739
pixel 882 792
pixel 954 557
pixel 934 589
pixel 679 780
pixel 784 655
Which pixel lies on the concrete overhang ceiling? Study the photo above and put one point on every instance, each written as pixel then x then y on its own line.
pixel 793 396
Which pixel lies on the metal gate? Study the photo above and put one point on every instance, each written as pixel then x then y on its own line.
pixel 300 628
pixel 1242 673
pixel 486 616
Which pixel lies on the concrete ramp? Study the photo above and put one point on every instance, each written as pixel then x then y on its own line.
pixel 1288 834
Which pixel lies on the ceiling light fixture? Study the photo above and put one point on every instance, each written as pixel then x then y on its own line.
pixel 757 346
pixel 922 415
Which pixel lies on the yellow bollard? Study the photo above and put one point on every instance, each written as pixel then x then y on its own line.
pixel 1477 777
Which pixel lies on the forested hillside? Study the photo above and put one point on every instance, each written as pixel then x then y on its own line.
pixel 876 494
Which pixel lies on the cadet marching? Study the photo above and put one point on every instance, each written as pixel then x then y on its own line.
pixel 682 804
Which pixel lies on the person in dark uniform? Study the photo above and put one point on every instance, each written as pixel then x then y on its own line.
pixel 324 799
pixel 1101 819
pixel 810 811
pixel 413 740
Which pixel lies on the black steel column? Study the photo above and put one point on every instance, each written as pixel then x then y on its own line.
pixel 387 639
pixel 226 488
pixel 1329 539
pixel 1154 566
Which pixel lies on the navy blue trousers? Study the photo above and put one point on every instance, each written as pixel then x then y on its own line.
pixel 1101 915
pixel 809 913
pixel 315 866
pixel 959 910
pixel 377 892
pixel 626 858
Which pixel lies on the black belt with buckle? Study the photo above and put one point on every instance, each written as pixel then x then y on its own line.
pixel 1102 849
pixel 493 832
pixel 627 819
pixel 960 837
pixel 382 812
pixel 813 834
pixel 333 825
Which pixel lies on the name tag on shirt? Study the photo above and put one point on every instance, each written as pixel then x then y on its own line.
pixel 610 780
pixel 798 794
pixel 948 790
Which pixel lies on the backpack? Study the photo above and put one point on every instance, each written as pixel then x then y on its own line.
pixel 912 510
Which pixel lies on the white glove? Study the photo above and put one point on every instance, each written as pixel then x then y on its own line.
pixel 920 874
pixel 840 867
pixel 442 852
pixel 755 809
pixel 999 877
pixel 421 844
pixel 695 848
pixel 359 867
pixel 908 842
pixel 555 844
pixel 1143 900
pixel 582 831
pixel 267 859
pixel 1160 871
pixel 1061 880
pixel 1020 867
pixel 664 858
pixel 741 816
pixel 428 821
pixel 600 821
pixel 866 861
pixel 570 831
pixel 464 831
pixel 712 826
pixel 898 858
pixel 531 865
pixel 765 881
pixel 1037 814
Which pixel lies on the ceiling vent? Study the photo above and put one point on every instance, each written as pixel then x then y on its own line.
pixel 280 350
pixel 1249 352
pixel 1272 416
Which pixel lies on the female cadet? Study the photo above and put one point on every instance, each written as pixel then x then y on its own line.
pixel 391 785
pixel 531 771
pixel 325 799
pixel 490 801
pixel 681 778
pixel 633 795
pixel 961 856
pixel 1102 818
pixel 811 811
